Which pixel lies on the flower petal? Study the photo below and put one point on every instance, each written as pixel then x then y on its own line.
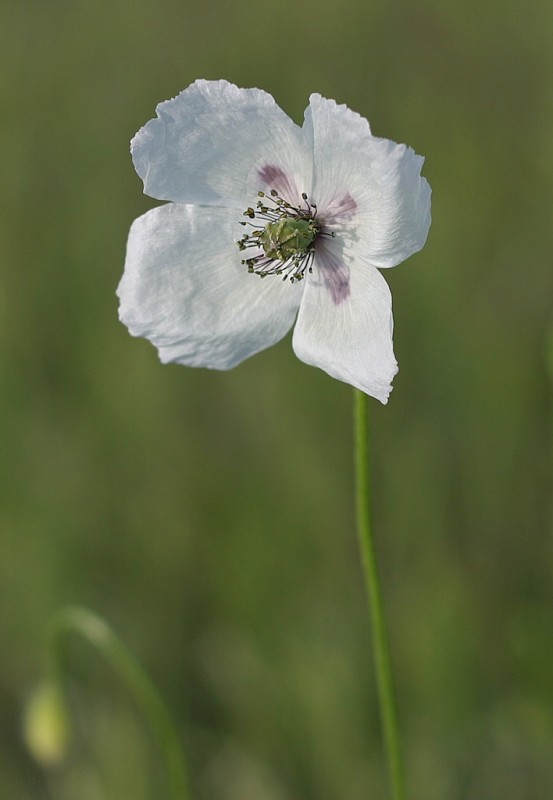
pixel 207 145
pixel 348 333
pixel 185 289
pixel 376 180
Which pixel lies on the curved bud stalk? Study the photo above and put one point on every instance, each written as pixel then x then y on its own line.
pixel 46 721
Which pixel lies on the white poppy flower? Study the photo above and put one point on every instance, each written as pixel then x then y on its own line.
pixel 270 224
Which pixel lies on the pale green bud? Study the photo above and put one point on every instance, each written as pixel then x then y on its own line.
pixel 46 724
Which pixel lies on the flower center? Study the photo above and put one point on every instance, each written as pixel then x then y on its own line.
pixel 283 237
pixel 288 237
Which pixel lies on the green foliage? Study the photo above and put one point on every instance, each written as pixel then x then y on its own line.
pixel 208 516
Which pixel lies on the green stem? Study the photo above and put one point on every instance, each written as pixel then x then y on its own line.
pixel 99 634
pixel 384 680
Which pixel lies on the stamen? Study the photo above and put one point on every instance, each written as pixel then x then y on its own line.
pixel 283 235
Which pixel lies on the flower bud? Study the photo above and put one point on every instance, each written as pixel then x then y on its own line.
pixel 46 724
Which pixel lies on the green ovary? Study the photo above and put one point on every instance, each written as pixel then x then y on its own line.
pixel 288 237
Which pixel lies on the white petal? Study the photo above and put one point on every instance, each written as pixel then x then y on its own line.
pixel 208 144
pixel 345 324
pixel 376 181
pixel 185 289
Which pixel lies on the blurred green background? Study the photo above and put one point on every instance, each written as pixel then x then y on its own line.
pixel 208 516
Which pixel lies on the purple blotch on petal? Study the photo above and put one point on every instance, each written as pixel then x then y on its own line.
pixel 273 177
pixel 333 271
pixel 340 208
